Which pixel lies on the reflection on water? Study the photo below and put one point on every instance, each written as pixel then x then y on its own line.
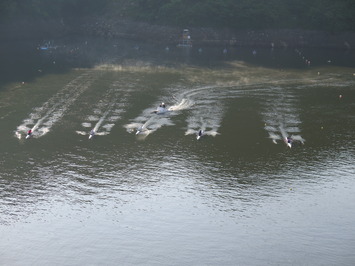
pixel 43 118
pixel 281 116
pixel 232 197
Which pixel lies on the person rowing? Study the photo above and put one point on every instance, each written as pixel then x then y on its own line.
pixel 92 133
pixel 289 141
pixel 161 109
pixel 29 133
pixel 199 134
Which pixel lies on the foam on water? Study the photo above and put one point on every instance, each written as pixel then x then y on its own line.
pixel 201 103
pixel 92 118
pixel 43 118
pixel 207 111
pixel 109 108
pixel 86 124
pixel 148 122
pixel 280 114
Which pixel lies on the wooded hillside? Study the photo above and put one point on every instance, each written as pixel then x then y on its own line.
pixel 327 15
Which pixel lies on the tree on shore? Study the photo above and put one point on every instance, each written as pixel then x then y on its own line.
pixel 327 15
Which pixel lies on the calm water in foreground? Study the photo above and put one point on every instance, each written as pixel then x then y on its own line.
pixel 237 196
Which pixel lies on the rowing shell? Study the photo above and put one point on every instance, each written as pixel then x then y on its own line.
pixel 289 144
pixel 199 135
pixel 160 110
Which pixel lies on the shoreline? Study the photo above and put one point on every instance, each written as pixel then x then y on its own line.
pixel 140 31
pixel 111 29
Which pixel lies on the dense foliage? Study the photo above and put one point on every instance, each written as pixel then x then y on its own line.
pixel 247 14
pixel 45 9
pixel 237 14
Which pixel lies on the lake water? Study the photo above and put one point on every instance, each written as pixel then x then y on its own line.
pixel 237 196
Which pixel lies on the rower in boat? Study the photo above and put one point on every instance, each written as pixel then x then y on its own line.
pixel 161 109
pixel 29 133
pixel 199 134
pixel 288 141
pixel 92 133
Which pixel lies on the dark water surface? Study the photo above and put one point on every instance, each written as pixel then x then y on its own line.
pixel 237 196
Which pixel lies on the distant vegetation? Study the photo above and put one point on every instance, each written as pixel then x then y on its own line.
pixel 47 9
pixel 330 15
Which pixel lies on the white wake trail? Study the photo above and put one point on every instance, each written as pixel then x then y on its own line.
pixel 280 114
pixel 44 117
pixel 207 111
pixel 109 109
pixel 148 122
